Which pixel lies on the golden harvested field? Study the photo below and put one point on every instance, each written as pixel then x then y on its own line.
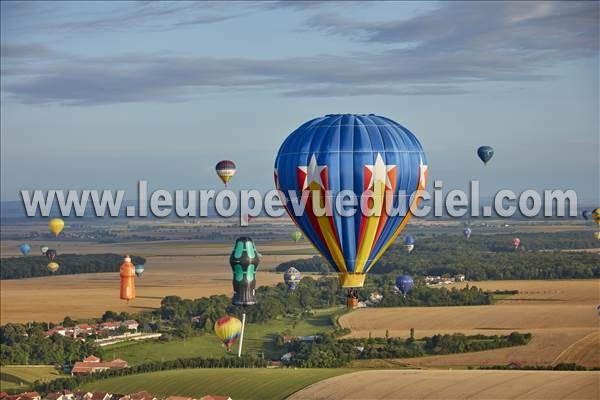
pixel 561 315
pixel 453 384
pixel 175 272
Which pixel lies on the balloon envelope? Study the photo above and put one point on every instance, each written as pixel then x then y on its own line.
pixel 586 214
pixel 352 153
pixel 404 283
pixel 25 249
pixel 225 170
pixel 228 329
pixel 127 275
pixel 51 254
pixel 467 232
pixel 44 249
pixel 52 267
pixel 292 277
pixel 56 226
pixel 139 270
pixel 297 235
pixel 596 216
pixel 485 153
pixel 516 242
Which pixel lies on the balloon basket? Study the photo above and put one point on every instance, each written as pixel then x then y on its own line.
pixel 351 299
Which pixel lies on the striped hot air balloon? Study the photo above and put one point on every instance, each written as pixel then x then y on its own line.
pixel 356 154
pixel 292 277
pixel 228 329
pixel 225 170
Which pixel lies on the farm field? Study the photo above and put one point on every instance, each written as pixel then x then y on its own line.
pixel 240 384
pixel 257 338
pixel 90 295
pixel 21 376
pixel 561 315
pixel 455 384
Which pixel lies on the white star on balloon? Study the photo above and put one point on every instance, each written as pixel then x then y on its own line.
pixel 379 172
pixel 313 173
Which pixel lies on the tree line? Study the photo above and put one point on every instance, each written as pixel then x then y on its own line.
pixel 35 266
pixel 329 352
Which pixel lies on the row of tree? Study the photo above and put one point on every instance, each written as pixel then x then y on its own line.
pixel 35 266
pixel 329 352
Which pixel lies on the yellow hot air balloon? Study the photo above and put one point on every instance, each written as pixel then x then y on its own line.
pixel 597 235
pixel 56 225
pixel 228 329
pixel 596 216
pixel 52 267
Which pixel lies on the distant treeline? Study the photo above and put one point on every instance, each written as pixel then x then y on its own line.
pixel 35 266
pixel 484 258
pixel 328 352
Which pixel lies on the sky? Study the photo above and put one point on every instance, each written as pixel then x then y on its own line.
pixel 99 95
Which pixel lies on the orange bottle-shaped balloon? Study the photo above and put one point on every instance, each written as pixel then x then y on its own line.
pixel 127 274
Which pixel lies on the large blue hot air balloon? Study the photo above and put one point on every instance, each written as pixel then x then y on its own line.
pixel 485 153
pixel 404 283
pixel 25 249
pixel 351 153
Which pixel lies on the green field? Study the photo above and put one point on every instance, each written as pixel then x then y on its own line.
pixel 258 338
pixel 20 377
pixel 240 384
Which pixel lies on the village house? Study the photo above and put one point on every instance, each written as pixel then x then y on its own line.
pixel 21 396
pixel 93 364
pixel 212 397
pixel 92 329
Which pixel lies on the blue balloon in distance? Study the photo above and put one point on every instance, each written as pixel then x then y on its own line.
pixel 349 152
pixel 404 283
pixel 409 240
pixel 485 153
pixel 25 249
pixel 586 214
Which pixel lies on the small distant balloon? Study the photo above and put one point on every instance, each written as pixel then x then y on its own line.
pixel 597 235
pixel 53 267
pixel 596 216
pixel 296 236
pixel 43 249
pixel 485 153
pixel 586 214
pixel 404 283
pixel 51 254
pixel 56 225
pixel 225 170
pixel 467 232
pixel 292 277
pixel 139 270
pixel 25 249
pixel 409 243
pixel 516 242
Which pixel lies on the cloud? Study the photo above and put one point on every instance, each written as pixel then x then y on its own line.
pixel 435 52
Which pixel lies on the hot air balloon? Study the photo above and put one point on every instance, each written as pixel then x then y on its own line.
pixel 404 283
pixel 586 214
pixel 597 235
pixel 292 277
pixel 467 232
pixel 296 236
pixel 225 169
pixel 52 267
pixel 127 274
pixel 56 225
pixel 596 216
pixel 353 153
pixel 228 329
pixel 516 242
pixel 485 153
pixel 139 270
pixel 244 260
pixel 409 244
pixel 25 249
pixel 44 249
pixel 51 254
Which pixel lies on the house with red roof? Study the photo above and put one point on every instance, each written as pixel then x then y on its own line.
pixel 92 364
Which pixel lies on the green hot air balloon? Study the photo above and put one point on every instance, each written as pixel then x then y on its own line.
pixel 296 236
